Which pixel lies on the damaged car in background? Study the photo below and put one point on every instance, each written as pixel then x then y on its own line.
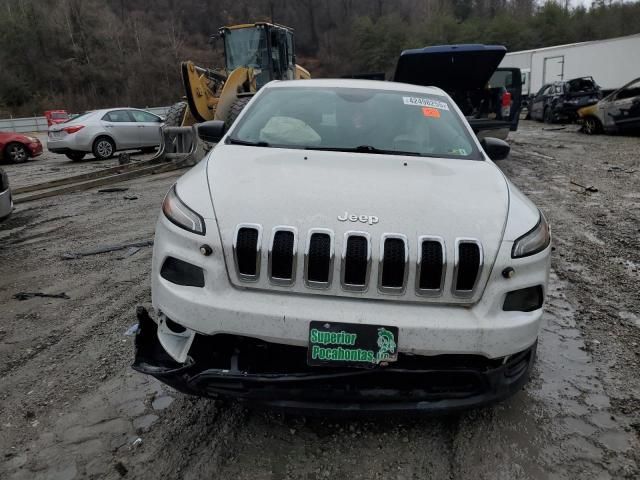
pixel 617 112
pixel 560 101
pixel 348 245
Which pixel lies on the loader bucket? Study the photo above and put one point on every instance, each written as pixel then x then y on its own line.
pixel 181 145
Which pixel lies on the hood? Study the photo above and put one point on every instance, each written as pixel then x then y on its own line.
pixel 450 67
pixel 310 189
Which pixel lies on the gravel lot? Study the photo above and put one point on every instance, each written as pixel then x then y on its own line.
pixel 70 406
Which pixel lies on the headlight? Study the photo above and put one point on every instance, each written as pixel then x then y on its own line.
pixel 534 241
pixel 33 139
pixel 177 212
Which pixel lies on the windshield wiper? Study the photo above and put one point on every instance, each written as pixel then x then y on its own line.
pixel 237 141
pixel 365 149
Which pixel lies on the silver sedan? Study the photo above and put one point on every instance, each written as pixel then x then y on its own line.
pixel 103 132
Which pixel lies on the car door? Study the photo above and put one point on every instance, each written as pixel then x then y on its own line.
pixel 511 79
pixel 148 128
pixel 537 104
pixel 624 108
pixel 122 127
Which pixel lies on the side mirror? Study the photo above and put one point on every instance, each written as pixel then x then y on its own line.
pixel 494 147
pixel 211 131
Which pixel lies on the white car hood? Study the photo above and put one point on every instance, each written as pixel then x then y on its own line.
pixel 412 196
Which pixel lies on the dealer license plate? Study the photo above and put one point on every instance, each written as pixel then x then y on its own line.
pixel 351 344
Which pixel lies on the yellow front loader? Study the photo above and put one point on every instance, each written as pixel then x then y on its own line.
pixel 254 55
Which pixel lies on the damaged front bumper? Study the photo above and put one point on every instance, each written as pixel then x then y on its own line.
pixel 277 376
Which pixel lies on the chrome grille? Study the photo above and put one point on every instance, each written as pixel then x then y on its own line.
pixel 394 255
pixel 319 259
pixel 467 267
pixel 246 251
pixel 356 261
pixel 393 267
pixel 431 266
pixel 282 256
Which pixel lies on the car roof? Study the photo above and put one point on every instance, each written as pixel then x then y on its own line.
pixel 356 83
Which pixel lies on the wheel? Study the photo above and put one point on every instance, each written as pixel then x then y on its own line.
pixel 103 148
pixel 16 152
pixel 236 108
pixel 75 156
pixel 591 126
pixel 175 114
pixel 548 115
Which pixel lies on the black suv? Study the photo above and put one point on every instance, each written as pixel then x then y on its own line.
pixel 562 100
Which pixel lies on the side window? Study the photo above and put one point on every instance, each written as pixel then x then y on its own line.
pixel 117 116
pixel 542 91
pixel 140 116
pixel 631 91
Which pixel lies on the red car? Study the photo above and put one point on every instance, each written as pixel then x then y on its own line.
pixel 56 116
pixel 18 148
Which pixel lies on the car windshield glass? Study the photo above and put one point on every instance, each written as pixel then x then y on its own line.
pixel 59 116
pixel 356 119
pixel 245 47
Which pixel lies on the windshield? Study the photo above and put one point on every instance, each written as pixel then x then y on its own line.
pixel 246 47
pixel 356 119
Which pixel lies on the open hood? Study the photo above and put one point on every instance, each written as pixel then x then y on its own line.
pixel 450 67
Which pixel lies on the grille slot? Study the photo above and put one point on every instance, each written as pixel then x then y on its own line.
pixel 247 252
pixel 356 261
pixel 393 264
pixel 467 268
pixel 319 259
pixel 282 256
pixel 431 263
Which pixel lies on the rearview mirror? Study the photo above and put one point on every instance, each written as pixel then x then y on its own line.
pixel 211 131
pixel 494 147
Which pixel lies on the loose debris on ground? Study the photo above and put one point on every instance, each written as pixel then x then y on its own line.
pixel 71 407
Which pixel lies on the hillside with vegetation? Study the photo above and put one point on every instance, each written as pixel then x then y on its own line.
pixel 84 54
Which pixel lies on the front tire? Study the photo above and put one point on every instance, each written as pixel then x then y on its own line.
pixel 75 156
pixel 16 152
pixel 236 108
pixel 591 126
pixel 175 114
pixel 103 148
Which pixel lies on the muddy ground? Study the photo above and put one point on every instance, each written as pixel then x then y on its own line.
pixel 70 406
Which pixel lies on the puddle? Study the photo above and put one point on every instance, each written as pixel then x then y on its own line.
pixel 160 403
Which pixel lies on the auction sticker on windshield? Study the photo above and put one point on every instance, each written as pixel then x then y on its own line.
pixel 425 102
pixel 351 344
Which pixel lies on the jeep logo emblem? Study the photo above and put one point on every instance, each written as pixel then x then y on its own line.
pixel 370 219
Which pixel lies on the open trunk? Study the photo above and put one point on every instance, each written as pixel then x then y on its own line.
pixel 469 74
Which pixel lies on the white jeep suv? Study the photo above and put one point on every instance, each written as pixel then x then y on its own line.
pixel 347 245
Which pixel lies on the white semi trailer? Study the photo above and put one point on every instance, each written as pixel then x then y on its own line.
pixel 612 63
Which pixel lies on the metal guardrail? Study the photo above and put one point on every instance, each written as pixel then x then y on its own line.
pixel 39 124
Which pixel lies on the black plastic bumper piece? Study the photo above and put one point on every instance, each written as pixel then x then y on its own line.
pixel 415 384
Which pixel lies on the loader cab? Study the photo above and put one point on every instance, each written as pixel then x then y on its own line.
pixel 265 47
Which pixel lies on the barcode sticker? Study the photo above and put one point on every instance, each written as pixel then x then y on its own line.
pixel 425 102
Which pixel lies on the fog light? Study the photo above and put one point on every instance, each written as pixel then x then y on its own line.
pixel 524 300
pixel 182 273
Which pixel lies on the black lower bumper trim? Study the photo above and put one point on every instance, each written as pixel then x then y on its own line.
pixel 414 384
